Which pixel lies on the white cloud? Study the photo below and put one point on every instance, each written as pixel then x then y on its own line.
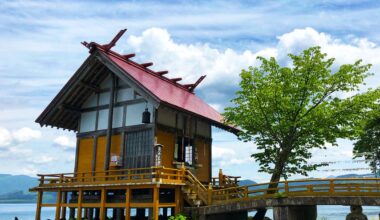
pixel 190 61
pixel 5 137
pixel 8 138
pixel 66 142
pixel 44 159
pixel 25 134
pixel 218 152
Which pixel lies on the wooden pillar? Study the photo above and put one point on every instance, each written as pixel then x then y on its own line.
pixel 156 202
pixel 63 215
pixel 110 119
pixel 79 204
pixel 58 205
pixel 221 178
pixel 102 204
pixel 94 151
pixel 127 203
pixel 76 157
pixel 39 202
pixel 178 201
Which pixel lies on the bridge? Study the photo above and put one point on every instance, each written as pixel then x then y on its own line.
pixel 295 199
pixel 223 198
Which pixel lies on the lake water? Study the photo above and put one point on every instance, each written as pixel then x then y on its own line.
pixel 27 212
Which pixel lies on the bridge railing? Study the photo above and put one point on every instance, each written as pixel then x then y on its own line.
pixel 309 187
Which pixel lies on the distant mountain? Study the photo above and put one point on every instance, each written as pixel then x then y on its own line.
pixel 16 188
pixel 246 182
pixel 10 183
pixel 352 175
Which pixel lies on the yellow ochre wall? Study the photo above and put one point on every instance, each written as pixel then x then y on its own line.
pixel 167 139
pixel 204 171
pixel 86 152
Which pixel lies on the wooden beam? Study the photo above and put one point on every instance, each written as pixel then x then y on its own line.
pixel 127 56
pixel 70 108
pixel 94 151
pixel 161 73
pixel 110 119
pixel 76 156
pixel 145 65
pixel 90 86
pixel 176 79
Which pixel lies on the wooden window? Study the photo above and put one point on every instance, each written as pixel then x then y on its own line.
pixel 125 94
pixel 87 122
pixel 102 119
pixel 117 121
pixel 189 155
pixel 184 149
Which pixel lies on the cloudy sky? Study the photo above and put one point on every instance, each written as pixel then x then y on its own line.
pixel 40 50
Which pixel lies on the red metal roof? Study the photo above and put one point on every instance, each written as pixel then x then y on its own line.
pixel 165 90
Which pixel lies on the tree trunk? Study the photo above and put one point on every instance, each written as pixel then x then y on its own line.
pixel 276 176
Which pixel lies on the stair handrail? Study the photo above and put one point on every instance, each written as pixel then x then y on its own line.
pixel 195 180
pixel 201 190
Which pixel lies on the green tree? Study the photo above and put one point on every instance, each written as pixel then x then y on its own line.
pixel 287 111
pixel 368 143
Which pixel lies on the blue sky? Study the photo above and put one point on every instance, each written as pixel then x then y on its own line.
pixel 40 44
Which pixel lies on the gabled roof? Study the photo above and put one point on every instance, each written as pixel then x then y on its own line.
pixel 161 90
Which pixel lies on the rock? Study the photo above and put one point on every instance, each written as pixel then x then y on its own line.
pixel 356 213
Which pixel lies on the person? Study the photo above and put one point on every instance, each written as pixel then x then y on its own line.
pixel 356 213
pixel 16 218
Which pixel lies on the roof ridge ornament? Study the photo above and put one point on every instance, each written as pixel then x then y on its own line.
pixel 191 87
pixel 111 44
pixel 106 47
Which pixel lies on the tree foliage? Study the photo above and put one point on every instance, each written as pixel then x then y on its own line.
pixel 368 143
pixel 287 111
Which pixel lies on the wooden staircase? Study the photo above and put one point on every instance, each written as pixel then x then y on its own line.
pixel 195 193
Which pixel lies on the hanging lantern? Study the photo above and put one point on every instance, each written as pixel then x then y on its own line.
pixel 146 116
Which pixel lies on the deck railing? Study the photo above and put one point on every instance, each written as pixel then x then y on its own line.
pixel 137 175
